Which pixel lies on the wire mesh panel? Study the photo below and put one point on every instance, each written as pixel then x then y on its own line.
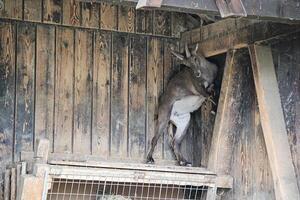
pixel 66 183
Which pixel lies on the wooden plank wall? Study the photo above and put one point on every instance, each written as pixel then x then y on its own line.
pixel 102 16
pixel 90 92
pixel 86 76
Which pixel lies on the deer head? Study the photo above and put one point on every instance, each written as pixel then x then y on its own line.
pixel 203 69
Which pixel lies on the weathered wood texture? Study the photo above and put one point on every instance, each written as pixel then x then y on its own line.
pixel 7 96
pixel 89 92
pixel 246 159
pixel 287 64
pixel 44 85
pixel 273 123
pixel 219 37
pixel 225 123
pixel 102 15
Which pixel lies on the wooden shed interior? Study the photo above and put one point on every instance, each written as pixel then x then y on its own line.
pixel 87 76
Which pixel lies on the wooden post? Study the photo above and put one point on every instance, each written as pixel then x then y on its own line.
pixel 273 124
pixel 222 139
pixel 31 187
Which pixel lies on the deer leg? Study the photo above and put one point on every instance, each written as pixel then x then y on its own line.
pixel 162 125
pixel 181 122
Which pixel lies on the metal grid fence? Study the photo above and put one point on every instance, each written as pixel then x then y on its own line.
pixel 71 189
pixel 79 185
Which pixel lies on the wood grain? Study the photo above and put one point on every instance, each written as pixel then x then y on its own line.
pixel 109 16
pixel 119 95
pixel 137 97
pixel 26 34
pixel 101 94
pixel 154 90
pixel 126 19
pixel 52 11
pixel 162 23
pixel 44 89
pixel 83 91
pixel 7 95
pixel 144 21
pixel 64 83
pixel 90 14
pixel 33 10
pixel 71 13
pixel 12 9
pixel 273 124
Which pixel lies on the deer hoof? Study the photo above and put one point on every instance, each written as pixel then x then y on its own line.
pixel 188 164
pixel 185 163
pixel 150 160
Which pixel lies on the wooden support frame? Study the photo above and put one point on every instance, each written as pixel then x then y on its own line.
pixel 272 120
pixel 149 4
pixel 219 37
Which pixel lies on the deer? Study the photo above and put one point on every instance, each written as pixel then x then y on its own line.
pixel 185 93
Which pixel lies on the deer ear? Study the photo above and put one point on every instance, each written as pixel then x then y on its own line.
pixel 194 52
pixel 178 55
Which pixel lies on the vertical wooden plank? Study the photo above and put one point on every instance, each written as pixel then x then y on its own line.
pixel 108 16
pixel 13 184
pixel 12 9
pixel 71 13
pixel 137 97
pixel 33 10
pixel 26 41
pixel 7 95
pixel 154 90
pixel 90 14
pixel 244 123
pixel 170 68
pixel 144 21
pixel 101 94
pixel 52 11
pixel 126 19
pixel 119 95
pixel 44 88
pixel 273 124
pixel 179 23
pixel 64 80
pixel 83 91
pixel 7 184
pixel 44 97
pixel 162 23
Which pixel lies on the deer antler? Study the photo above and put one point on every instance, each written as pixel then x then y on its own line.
pixel 187 51
pixel 194 52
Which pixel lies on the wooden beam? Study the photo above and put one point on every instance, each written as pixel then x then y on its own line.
pixel 219 37
pixel 223 133
pixel 148 4
pixel 262 9
pixel 273 124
